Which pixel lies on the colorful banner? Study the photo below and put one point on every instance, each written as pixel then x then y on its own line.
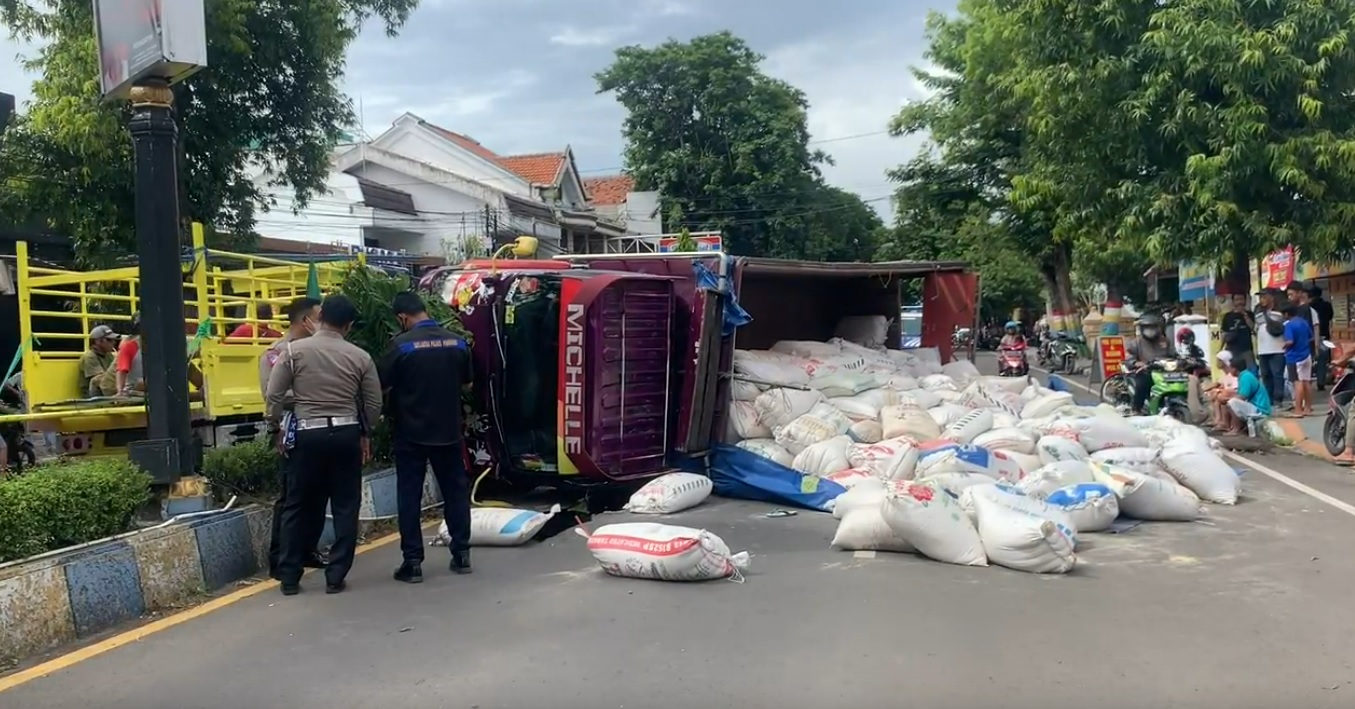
pixel 668 244
pixel 1196 281
pixel 1112 355
pixel 1277 268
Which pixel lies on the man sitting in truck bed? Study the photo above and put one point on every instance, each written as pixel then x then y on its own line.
pixel 131 374
pixel 97 361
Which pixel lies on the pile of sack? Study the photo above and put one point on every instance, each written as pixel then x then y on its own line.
pixel 964 468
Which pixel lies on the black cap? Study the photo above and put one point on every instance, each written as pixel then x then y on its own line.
pixel 1315 291
pixel 1268 291
pixel 1289 309
pixel 1295 286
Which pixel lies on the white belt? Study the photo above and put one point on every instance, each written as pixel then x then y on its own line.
pixel 308 424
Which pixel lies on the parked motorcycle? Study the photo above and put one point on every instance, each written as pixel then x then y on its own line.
pixel 1012 362
pixel 20 450
pixel 1064 351
pixel 961 338
pixel 1170 392
pixel 1334 428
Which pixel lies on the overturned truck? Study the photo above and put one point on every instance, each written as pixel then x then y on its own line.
pixel 602 369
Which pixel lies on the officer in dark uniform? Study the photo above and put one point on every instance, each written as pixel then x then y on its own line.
pixel 423 373
pixel 336 399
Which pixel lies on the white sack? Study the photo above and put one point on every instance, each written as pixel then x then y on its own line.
pixel 770 368
pixel 1011 385
pixel 892 459
pixel 670 493
pixel 1023 541
pixel 740 390
pixel 1007 439
pixel 769 449
pixel 1048 478
pixel 820 424
pixel 1054 448
pixel 961 370
pixel 663 552
pixel 1010 497
pixel 946 414
pixel 1002 419
pixel 932 521
pixel 1093 507
pixel 1204 473
pixel 966 428
pixel 866 432
pixel 867 404
pixel 928 359
pixel 1138 459
pixel 824 458
pixel 779 406
pixel 900 420
pixel 938 382
pixel 809 349
pixel 1100 433
pixel 957 483
pixel 1026 463
pixel 744 423
pixel 865 330
pixel 949 396
pixel 922 398
pixel 843 384
pixel 864 529
pixel 958 458
pixel 503 526
pixel 863 494
pixel 850 477
pixel 1149 498
pixel 1046 405
pixel 899 382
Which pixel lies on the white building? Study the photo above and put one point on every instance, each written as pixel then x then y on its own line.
pixel 426 190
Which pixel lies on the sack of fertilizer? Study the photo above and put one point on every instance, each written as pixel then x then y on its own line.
pixel 1002 419
pixel 894 459
pixel 865 405
pixel 824 458
pixel 740 390
pixel 1008 404
pixel 921 398
pixel 956 483
pixel 867 432
pixel 663 552
pixel 819 424
pixel 908 421
pixel 1046 405
pixel 1093 507
pixel 864 494
pixel 779 406
pixel 1048 478
pixel 769 449
pixel 670 493
pixel 962 371
pixel 1010 497
pixel 946 414
pixel 1140 459
pixel 927 359
pixel 1025 464
pixel 1054 448
pixel 974 397
pixel 502 526
pixel 1007 439
pixel 770 368
pixel 1203 472
pixel 809 349
pixel 966 428
pixel 843 384
pixel 864 529
pixel 932 521
pixel 743 423
pixel 942 457
pixel 850 478
pixel 1010 385
pixel 898 382
pixel 1023 541
pixel 1099 433
pixel 938 382
pixel 1148 498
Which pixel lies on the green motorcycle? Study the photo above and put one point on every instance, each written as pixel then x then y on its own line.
pixel 1169 395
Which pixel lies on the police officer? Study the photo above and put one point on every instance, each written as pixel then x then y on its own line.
pixel 303 314
pixel 423 372
pixel 336 399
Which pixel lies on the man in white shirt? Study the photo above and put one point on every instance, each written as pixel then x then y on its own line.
pixel 1270 344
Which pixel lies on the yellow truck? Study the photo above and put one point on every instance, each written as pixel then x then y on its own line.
pixel 221 291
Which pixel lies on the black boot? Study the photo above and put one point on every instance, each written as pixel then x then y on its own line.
pixel 460 562
pixel 409 572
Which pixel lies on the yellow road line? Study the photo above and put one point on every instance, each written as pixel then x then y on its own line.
pixel 142 632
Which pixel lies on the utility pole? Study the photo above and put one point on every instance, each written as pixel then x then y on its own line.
pixel 169 451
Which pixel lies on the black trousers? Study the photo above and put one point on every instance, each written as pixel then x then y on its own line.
pixel 326 467
pixel 1322 365
pixel 275 540
pixel 1273 376
pixel 449 469
pixel 1143 384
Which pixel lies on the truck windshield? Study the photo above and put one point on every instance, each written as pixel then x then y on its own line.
pixel 531 375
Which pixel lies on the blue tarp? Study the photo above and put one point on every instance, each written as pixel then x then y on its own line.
pixel 734 316
pixel 743 475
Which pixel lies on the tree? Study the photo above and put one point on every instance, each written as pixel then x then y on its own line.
pixel 728 148
pixel 270 100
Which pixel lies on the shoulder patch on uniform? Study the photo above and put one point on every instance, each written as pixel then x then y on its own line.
pixel 272 357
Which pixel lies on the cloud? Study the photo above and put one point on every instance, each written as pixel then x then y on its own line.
pixel 595 37
pixel 13 79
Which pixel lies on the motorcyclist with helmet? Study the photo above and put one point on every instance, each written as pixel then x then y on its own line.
pixel 1012 337
pixel 1150 345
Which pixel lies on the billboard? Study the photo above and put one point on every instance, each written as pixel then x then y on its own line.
pixel 137 39
pixel 704 242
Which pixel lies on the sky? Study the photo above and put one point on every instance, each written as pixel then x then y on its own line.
pixel 517 75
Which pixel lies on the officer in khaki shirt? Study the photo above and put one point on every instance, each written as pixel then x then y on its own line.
pixel 336 399
pixel 303 316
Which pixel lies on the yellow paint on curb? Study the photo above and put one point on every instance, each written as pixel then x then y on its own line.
pixel 142 632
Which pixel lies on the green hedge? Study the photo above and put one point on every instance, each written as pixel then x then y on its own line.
pixel 63 504
pixel 249 469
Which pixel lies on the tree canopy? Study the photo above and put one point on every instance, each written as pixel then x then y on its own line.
pixel 728 148
pixel 270 100
pixel 1113 134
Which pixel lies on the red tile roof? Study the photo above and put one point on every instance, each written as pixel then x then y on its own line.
pixel 538 168
pixel 609 190
pixel 466 142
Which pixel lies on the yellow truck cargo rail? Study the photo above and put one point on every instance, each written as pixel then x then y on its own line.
pixel 221 289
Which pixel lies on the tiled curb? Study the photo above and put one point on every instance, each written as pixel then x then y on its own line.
pixel 66 595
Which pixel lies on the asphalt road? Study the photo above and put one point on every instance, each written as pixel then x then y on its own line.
pixel 1251 608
